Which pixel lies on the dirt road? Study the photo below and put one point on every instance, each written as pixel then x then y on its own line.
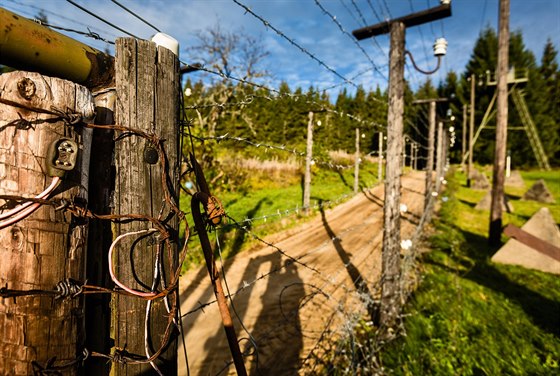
pixel 288 307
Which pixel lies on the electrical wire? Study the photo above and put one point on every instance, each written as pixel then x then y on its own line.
pixel 333 18
pixel 136 15
pixel 101 19
pixel 26 209
pixel 112 273
pixel 291 41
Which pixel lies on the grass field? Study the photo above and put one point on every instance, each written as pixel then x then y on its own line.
pixel 473 317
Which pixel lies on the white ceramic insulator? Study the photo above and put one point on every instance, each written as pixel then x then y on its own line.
pixel 164 40
pixel 440 47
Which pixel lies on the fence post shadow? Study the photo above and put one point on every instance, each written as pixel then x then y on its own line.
pixel 360 283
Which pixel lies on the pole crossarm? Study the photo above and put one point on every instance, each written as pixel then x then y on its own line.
pixel 414 19
pixel 423 101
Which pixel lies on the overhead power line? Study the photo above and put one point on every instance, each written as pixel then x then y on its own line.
pixel 101 19
pixel 136 15
pixel 292 42
pixel 333 18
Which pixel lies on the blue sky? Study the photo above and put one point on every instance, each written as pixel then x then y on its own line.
pixel 304 22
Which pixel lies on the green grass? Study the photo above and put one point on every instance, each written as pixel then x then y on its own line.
pixel 470 316
pixel 279 199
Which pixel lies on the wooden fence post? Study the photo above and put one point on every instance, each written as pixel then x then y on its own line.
pixel 357 162
pixel 147 84
pixel 40 332
pixel 308 161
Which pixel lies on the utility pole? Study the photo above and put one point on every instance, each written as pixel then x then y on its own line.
pixel 471 133
pixel 357 162
pixel 390 263
pixel 439 156
pixel 308 160
pixel 390 298
pixel 147 85
pixel 431 141
pixel 498 177
pixel 464 136
pixel 380 158
pixel 40 247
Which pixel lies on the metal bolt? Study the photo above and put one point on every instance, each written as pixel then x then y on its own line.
pixel 150 155
pixel 26 88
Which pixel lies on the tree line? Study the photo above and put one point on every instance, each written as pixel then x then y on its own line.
pixel 235 108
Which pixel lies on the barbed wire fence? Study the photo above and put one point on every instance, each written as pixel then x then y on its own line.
pixel 343 319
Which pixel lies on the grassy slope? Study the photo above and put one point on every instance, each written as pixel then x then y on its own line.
pixel 473 317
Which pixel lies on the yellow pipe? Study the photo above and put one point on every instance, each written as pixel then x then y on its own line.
pixel 27 45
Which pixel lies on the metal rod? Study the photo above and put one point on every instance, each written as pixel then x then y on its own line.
pixel 27 45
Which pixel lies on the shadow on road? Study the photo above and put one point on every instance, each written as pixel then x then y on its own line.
pixel 357 279
pixel 274 343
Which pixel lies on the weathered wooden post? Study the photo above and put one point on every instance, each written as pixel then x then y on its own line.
pixel 430 163
pixel 464 137
pixel 147 85
pixel 42 139
pixel 380 158
pixel 439 156
pixel 471 131
pixel 390 296
pixel 357 162
pixel 308 162
pixel 498 177
pixel 390 284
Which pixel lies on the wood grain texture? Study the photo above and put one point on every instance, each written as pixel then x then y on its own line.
pixel 49 245
pixel 390 297
pixel 147 99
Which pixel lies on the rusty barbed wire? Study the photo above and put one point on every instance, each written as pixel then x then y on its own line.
pixel 293 42
pixel 88 34
pixel 266 146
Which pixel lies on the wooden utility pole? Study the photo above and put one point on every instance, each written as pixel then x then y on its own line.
pixel 471 133
pixel 147 84
pixel 498 178
pixel 390 295
pixel 439 156
pixel 380 158
pixel 431 141
pixel 308 160
pixel 464 136
pixel 357 162
pixel 49 245
pixel 390 260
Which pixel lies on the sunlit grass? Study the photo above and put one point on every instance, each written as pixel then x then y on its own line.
pixel 473 317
